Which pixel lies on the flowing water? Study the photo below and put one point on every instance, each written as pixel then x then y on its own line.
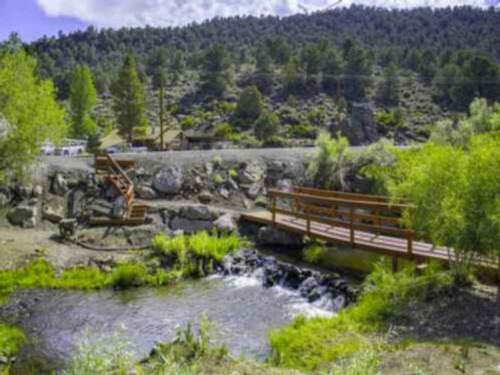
pixel 242 310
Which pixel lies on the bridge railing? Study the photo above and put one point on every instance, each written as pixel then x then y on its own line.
pixel 355 212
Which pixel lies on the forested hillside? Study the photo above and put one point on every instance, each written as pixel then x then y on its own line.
pixel 410 67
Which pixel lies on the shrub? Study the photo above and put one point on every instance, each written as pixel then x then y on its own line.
pixel 313 254
pixel 188 123
pixel 328 167
pixel 224 130
pixel 175 247
pixel 307 344
pixel 11 340
pixel 210 247
pixel 266 126
pixel 218 179
pixel 129 275
pixel 233 173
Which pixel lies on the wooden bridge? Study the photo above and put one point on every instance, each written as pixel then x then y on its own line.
pixel 367 222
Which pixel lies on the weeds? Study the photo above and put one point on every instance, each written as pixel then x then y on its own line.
pixel 11 340
pixel 306 344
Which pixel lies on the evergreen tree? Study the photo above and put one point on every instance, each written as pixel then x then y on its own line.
pixel 82 99
pixel 390 89
pixel 178 66
pixel 333 68
pixel 444 82
pixel 358 72
pixel 291 78
pixel 216 70
pixel 128 96
pixel 250 107
pixel 266 126
pixel 264 79
pixel 311 63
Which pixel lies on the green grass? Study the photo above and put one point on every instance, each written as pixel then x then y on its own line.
pixel 194 255
pixel 308 344
pixel 11 340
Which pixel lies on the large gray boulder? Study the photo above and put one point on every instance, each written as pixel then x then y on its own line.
pixel 59 185
pixel 168 181
pixel 189 226
pixel 251 173
pixel 23 213
pixel 269 236
pixel 226 224
pixel 198 212
pixel 51 215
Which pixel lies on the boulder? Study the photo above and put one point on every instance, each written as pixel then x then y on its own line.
pixel 284 185
pixel 231 184
pixel 24 191
pixel 168 181
pixel 224 193
pixel 198 212
pixel 205 197
pixel 269 236
pixel 4 200
pixel 29 224
pixel 37 191
pixel 190 226
pixel 146 192
pixel 253 190
pixel 59 185
pixel 51 215
pixel 23 213
pixel 251 173
pixel 226 224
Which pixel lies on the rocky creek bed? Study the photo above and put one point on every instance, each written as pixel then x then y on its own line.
pixel 249 296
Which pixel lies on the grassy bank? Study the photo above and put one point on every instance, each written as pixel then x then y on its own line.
pixel 359 331
pixel 173 259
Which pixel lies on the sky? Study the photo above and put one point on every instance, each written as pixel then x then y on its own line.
pixel 32 19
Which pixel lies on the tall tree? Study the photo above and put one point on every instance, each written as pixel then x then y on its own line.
pixel 333 68
pixel 29 106
pixel 291 77
pixel 128 97
pixel 311 63
pixel 358 72
pixel 264 72
pixel 177 66
pixel 390 89
pixel 216 70
pixel 82 99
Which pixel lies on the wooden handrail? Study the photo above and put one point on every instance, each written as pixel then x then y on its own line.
pixel 339 210
pixel 128 195
pixel 339 194
pixel 345 202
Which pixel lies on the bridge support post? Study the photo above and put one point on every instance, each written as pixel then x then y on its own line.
pixel 395 261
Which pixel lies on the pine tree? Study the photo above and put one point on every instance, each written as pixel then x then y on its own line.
pixel 216 73
pixel 250 107
pixel 129 104
pixel 311 63
pixel 291 78
pixel 82 98
pixel 177 66
pixel 333 68
pixel 263 79
pixel 390 89
pixel 266 126
pixel 358 71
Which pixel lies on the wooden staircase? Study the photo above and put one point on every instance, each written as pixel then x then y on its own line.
pixel 114 172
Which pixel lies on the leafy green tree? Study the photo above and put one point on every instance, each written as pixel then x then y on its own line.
pixel 82 99
pixel 333 68
pixel 29 107
pixel 128 100
pixel 389 91
pixel 328 168
pixel 280 50
pixel 358 72
pixel 250 107
pixel 266 126
pixel 216 70
pixel 264 72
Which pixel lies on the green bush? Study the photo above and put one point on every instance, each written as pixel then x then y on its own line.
pixel 188 123
pixel 129 275
pixel 224 131
pixel 11 340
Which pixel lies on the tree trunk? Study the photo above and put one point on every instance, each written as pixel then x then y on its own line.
pixel 161 116
pixel 498 301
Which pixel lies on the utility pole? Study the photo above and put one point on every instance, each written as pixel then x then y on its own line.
pixel 162 111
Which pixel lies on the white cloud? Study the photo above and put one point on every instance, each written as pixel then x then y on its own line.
pixel 117 13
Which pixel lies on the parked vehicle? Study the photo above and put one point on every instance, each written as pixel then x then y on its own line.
pixel 72 147
pixel 47 149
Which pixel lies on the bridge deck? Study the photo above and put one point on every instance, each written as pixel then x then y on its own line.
pixel 385 245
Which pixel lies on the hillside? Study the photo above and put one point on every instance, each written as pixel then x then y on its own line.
pixel 409 68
